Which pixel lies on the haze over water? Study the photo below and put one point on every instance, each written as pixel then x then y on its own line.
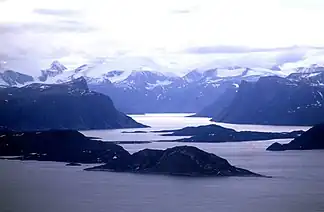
pixel 297 183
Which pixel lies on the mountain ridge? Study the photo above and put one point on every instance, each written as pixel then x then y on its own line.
pixel 165 93
pixel 60 106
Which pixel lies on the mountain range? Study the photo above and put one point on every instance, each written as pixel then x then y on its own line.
pixel 231 94
pixel 145 89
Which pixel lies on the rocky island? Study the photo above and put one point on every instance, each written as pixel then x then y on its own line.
pixel 73 147
pixel 311 139
pixel 216 134
pixel 179 161
pixel 58 145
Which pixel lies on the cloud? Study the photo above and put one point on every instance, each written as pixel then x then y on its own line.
pixel 23 60
pixel 224 49
pixel 39 27
pixel 56 12
pixel 184 11
pixel 290 57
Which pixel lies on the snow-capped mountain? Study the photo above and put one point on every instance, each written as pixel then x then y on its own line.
pixel 314 68
pixel 145 79
pixel 147 88
pixel 312 75
pixel 55 69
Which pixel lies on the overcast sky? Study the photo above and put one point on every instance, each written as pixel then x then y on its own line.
pixel 175 33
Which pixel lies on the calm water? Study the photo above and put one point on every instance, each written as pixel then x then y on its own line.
pixel 298 183
pixel 174 121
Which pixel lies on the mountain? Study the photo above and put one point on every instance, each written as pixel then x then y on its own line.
pixel 311 139
pixel 312 75
pixel 275 101
pixel 55 69
pixel 148 87
pixel 314 68
pixel 60 106
pixel 162 93
pixel 13 78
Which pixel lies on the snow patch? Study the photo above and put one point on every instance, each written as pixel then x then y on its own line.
pixel 230 72
pixel 158 83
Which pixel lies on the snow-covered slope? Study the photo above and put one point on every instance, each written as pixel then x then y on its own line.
pixel 143 86
pixel 235 74
pixel 105 70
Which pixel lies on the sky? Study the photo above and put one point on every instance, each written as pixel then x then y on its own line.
pixel 177 34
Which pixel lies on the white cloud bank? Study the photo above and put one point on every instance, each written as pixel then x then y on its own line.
pixel 174 33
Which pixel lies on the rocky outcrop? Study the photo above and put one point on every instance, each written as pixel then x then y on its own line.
pixel 311 139
pixel 74 148
pixel 64 146
pixel 179 161
pixel 59 106
pixel 215 134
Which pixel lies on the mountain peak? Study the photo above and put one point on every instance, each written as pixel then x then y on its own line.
pixel 56 65
pixel 55 69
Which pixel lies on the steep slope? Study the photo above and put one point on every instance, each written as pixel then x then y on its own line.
pixel 219 105
pixel 275 101
pixel 61 106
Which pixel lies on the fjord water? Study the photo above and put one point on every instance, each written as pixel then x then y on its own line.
pixel 297 183
pixel 171 121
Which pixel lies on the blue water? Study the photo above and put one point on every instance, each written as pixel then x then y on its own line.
pixel 297 185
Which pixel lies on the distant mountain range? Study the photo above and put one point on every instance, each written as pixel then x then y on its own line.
pixel 148 90
pixel 38 107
